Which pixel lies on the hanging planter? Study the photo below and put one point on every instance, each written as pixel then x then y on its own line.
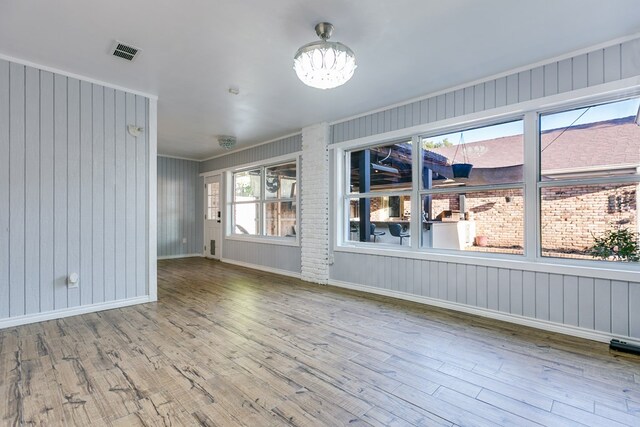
pixel 461 170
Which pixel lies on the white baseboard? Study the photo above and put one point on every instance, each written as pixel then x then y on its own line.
pixel 179 256
pixel 73 311
pixel 575 331
pixel 261 268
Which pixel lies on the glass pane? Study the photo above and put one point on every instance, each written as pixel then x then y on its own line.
pixel 386 167
pixel 280 181
pixel 246 185
pixel 572 218
pixel 389 220
pixel 600 140
pixel 481 221
pixel 245 218
pixel 213 200
pixel 280 219
pixel 482 156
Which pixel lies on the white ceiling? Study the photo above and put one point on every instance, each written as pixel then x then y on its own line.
pixel 193 51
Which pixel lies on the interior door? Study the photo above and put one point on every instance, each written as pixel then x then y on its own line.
pixel 212 217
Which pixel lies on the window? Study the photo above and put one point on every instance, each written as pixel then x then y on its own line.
pixel 472 189
pixel 264 201
pixel 589 179
pixel 379 194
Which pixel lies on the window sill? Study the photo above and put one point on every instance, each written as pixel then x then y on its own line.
pixel 595 269
pixel 279 241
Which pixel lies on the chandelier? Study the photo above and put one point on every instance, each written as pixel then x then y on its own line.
pixel 324 64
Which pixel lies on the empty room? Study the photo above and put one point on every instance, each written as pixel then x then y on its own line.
pixel 288 213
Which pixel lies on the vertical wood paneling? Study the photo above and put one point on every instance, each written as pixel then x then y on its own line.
pixel 130 236
pixel 459 102
pixel 620 307
pixel 141 168
pixel 452 272
pixel 504 294
pixel 433 279
pixel 501 92
pixel 537 82
pixel 483 287
pixel 492 288
pixel 524 86
pixel 586 303
pixel 542 296
pixel 529 294
pixel 478 97
pixel 472 290
pixel 449 103
pixel 580 72
pixel 32 191
pixel 121 195
pixel 565 75
pixel 602 305
pixel 570 309
pixel 109 195
pixel 433 109
pixel 556 298
pixel 46 190
pixel 442 280
pixel 512 89
pixel 441 107
pixel 468 100
pixel 17 190
pixel 595 63
pixel 86 193
pixel 58 205
pixel 634 313
pixel 74 169
pixel 97 254
pixel 516 292
pixel 4 188
pixel 630 58
pixel 551 79
pixel 612 63
pixel 461 283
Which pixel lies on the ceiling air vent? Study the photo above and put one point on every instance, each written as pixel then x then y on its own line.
pixel 124 51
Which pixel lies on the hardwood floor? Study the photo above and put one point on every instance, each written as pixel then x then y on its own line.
pixel 231 346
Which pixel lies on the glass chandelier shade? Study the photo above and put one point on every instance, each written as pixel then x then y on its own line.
pixel 324 64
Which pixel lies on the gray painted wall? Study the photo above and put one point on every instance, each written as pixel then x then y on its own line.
pixel 600 66
pixel 180 207
pixel 279 257
pixel 603 305
pixel 73 192
pixel 277 148
pixel 597 304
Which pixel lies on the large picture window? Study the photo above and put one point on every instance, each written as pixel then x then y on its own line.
pixel 589 181
pixel 379 194
pixel 264 201
pixel 472 189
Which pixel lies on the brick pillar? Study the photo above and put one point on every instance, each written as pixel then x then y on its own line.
pixel 314 216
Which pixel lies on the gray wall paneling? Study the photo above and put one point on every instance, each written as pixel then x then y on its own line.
pixel 599 66
pixel 598 304
pixel 65 167
pixel 277 148
pixel 180 207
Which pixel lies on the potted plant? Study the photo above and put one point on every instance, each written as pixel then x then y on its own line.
pixel 619 244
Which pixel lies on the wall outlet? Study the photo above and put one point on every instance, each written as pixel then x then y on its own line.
pixel 184 240
pixel 73 280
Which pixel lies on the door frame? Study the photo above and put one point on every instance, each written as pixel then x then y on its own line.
pixel 204 195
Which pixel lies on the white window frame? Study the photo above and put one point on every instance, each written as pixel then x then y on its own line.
pixel 230 233
pixel 529 111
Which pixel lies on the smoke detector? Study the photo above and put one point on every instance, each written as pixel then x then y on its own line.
pixel 227 142
pixel 124 51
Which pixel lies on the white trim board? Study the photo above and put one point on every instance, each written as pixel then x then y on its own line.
pixel 179 256
pixel 491 314
pixel 73 311
pixel 261 268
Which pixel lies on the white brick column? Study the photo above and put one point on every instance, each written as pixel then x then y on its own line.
pixel 314 215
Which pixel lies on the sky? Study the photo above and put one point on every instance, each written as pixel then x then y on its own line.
pixel 547 121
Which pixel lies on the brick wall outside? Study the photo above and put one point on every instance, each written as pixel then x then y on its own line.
pixel 571 214
pixel 500 220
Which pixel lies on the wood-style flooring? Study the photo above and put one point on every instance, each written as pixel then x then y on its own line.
pixel 230 346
